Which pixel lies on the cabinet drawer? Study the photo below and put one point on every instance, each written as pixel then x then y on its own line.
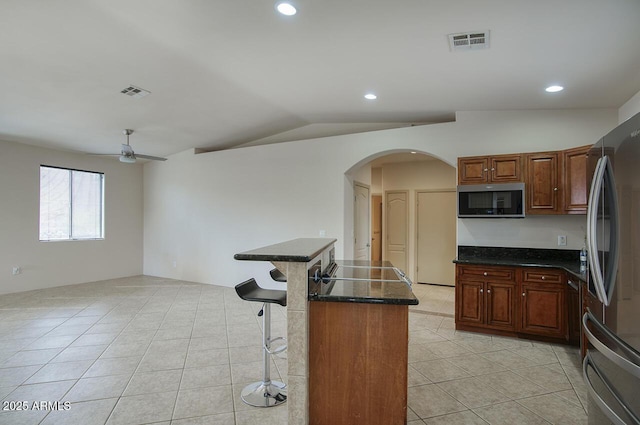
pixel 542 276
pixel 486 272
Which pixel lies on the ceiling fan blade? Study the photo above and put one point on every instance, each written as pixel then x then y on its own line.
pixel 155 158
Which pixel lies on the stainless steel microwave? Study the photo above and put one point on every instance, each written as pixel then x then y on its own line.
pixel 504 200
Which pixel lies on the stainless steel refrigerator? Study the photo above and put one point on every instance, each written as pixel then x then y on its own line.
pixel 612 365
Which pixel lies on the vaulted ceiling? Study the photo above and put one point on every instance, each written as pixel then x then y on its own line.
pixel 226 73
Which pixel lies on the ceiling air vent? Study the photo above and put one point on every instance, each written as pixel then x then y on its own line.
pixel 469 41
pixel 134 91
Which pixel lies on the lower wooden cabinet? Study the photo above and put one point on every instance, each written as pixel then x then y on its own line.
pixel 485 297
pixel 543 310
pixel 501 305
pixel 470 302
pixel 358 360
pixel 512 300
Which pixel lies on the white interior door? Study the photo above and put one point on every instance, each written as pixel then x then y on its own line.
pixel 436 237
pixel 396 228
pixel 361 222
pixel 376 227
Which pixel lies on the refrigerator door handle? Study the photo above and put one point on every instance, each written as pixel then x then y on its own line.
pixel 615 419
pixel 592 221
pixel 632 361
pixel 604 285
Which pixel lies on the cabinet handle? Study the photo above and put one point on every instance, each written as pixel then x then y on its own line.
pixel 486 169
pixel 485 273
pixel 481 290
pixel 542 277
pixel 493 169
pixel 488 291
pixel 523 294
pixel 555 189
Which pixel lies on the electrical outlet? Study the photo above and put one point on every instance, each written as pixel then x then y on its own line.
pixel 562 240
pixel 16 270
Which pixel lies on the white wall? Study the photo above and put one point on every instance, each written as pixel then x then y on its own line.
pixel 49 264
pixel 376 181
pixel 629 109
pixel 530 232
pixel 202 209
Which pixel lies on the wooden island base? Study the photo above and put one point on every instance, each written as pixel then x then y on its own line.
pixel 358 356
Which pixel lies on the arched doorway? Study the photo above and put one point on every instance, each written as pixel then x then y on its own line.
pixel 399 181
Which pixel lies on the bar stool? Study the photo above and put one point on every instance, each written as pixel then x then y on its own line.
pixel 277 275
pixel 265 393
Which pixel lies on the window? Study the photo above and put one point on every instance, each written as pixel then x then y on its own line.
pixel 71 204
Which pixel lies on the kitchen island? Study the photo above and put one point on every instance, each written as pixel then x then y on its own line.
pixel 347 331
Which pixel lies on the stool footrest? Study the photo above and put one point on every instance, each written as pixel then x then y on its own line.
pixel 264 394
pixel 277 350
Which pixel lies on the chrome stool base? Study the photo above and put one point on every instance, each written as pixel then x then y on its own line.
pixel 265 393
pixel 261 394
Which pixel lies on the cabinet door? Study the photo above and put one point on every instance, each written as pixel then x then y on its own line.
pixel 470 302
pixel 473 170
pixel 505 169
pixel 576 180
pixel 542 189
pixel 543 310
pixel 501 305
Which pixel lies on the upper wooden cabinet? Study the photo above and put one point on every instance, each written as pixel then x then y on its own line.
pixel 558 182
pixel 542 183
pixel 555 182
pixel 490 169
pixel 576 179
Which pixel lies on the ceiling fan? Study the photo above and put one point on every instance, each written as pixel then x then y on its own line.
pixel 129 156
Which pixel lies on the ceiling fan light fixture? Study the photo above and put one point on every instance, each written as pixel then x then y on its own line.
pixel 127 159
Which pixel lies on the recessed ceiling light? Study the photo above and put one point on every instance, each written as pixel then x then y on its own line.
pixel 370 96
pixel 286 8
pixel 554 89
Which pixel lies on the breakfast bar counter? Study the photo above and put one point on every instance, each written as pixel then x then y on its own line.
pixel 347 335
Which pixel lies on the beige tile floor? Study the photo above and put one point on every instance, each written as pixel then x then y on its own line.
pixel 146 350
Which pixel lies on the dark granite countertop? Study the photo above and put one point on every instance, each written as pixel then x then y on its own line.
pixel 567 260
pixel 300 250
pixel 373 282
